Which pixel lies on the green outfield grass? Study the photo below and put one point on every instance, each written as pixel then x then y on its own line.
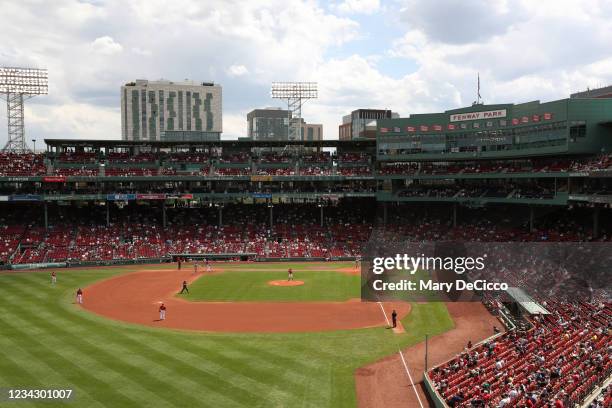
pixel 240 285
pixel 46 341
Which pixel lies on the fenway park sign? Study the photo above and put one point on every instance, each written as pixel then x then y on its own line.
pixel 492 114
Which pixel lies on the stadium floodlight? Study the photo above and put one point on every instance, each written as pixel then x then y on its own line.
pixel 296 93
pixel 17 85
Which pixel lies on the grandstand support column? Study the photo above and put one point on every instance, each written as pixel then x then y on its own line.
pixel 454 215
pixel 271 215
pixel 385 214
pixel 220 215
pixel 531 217
pixel 46 215
pixel 107 213
pixel 164 219
pixel 596 222
pixel 321 207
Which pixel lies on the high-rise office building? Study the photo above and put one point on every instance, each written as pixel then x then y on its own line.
pixel 166 110
pixel 361 123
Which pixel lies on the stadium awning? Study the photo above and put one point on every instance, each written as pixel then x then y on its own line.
pixel 526 302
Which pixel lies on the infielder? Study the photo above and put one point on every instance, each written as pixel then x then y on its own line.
pixel 290 275
pixel 162 312
pixel 79 296
pixel 185 289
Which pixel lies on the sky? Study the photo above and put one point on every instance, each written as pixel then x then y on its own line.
pixel 411 56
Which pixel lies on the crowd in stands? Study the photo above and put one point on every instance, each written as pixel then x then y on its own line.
pixel 474 190
pixel 353 157
pixel 284 171
pixel 556 362
pixel 323 157
pixel 508 166
pixel 13 164
pixel 28 164
pixel 355 171
pixel 297 232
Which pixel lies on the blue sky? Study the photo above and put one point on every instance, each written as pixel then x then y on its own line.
pixel 412 56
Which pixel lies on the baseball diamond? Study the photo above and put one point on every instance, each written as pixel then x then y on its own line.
pixel 422 218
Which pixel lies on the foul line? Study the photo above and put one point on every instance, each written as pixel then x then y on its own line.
pixel 384 314
pixel 403 360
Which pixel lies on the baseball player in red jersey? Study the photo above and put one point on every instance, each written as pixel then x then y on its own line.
pixel 162 312
pixel 290 275
pixel 79 296
pixel 53 278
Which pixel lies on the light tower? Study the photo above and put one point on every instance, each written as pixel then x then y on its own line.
pixel 17 85
pixel 296 93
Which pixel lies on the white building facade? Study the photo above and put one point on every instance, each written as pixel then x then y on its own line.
pixel 166 110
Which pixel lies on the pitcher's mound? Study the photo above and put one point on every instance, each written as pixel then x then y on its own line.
pixel 285 283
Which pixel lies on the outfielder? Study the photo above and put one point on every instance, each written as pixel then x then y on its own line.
pixel 53 278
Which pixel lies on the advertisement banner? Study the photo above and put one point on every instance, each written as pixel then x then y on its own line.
pixel 26 197
pixel 54 179
pixel 150 196
pixel 491 114
pixel 120 197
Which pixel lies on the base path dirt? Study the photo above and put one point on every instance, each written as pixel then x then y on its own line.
pixel 385 383
pixel 135 298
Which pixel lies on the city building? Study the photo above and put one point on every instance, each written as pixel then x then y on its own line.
pixel 311 131
pixel 174 111
pixel 273 124
pixel 268 124
pixel 361 123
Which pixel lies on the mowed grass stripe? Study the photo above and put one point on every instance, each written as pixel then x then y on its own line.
pixel 202 372
pixel 240 286
pixel 161 362
pixel 246 371
pixel 288 350
pixel 151 368
pixel 65 347
pixel 325 362
pixel 291 376
pixel 68 369
pixel 22 360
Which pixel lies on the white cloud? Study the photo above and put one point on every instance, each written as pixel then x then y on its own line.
pixel 84 47
pixel 358 6
pixel 555 48
pixel 62 120
pixel 106 46
pixel 524 50
pixel 234 124
pixel 139 51
pixel 237 70
pixel 458 22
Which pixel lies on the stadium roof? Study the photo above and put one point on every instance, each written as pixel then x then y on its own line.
pixel 220 143
pixel 526 302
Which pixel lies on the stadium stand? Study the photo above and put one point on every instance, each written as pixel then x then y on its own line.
pixel 557 361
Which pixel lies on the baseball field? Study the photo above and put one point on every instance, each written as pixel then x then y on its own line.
pixel 112 351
